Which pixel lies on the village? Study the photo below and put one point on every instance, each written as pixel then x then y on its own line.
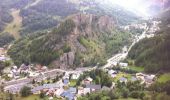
pixel 71 84
pixel 58 83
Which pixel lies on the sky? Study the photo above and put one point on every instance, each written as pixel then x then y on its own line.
pixel 139 6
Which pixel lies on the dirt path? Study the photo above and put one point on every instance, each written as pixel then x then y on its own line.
pixel 15 26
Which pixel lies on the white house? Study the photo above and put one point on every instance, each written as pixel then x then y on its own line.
pixel 75 76
pixel 123 64
pixel 112 73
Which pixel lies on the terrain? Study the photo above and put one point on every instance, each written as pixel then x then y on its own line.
pixel 52 46
pixel 81 40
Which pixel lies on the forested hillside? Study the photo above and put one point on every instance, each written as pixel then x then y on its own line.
pixel 153 53
pixel 78 41
pixel 45 14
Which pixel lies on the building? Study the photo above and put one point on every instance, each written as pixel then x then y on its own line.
pixel 83 91
pixel 87 80
pixel 45 87
pixel 68 95
pixel 58 92
pixel 75 76
pixel 148 79
pixel 93 87
pixel 72 90
pixel 123 64
pixel 112 73
pixel 66 81
pixel 2 51
pixel 122 79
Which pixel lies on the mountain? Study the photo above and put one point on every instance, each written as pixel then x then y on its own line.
pixel 43 15
pixel 80 40
pixel 153 53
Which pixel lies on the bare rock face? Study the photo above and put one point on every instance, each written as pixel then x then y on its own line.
pixel 86 24
pixel 67 60
pixel 106 23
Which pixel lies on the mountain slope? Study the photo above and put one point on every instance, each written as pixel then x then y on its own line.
pixel 153 53
pixel 81 40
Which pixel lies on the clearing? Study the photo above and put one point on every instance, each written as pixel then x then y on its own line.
pixel 15 26
pixel 164 78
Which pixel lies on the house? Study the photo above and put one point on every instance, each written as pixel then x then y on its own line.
pixel 66 81
pixel 114 63
pixel 112 73
pixel 149 79
pixel 75 76
pixel 33 74
pixel 72 90
pixel 93 87
pixel 2 51
pixel 58 92
pixel 51 86
pixel 123 64
pixel 45 87
pixel 68 95
pixel 3 58
pixel 66 76
pixel 83 91
pixel 86 90
pixel 87 80
pixel 122 79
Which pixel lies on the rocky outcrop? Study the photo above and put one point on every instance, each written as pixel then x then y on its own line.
pixel 67 60
pixel 87 25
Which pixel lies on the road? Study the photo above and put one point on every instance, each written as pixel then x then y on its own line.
pixel 120 56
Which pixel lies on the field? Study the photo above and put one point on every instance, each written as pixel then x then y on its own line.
pixel 138 69
pixel 122 74
pixel 15 26
pixel 164 78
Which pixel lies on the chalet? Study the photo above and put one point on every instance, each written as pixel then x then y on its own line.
pixel 148 79
pixel 51 86
pixel 68 95
pixel 112 73
pixel 87 80
pixel 58 92
pixel 75 76
pixel 83 91
pixel 72 90
pixel 123 64
pixel 66 81
pixel 122 79
pixel 93 87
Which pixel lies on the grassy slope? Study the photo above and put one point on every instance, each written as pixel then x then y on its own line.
pixel 164 78
pixel 138 69
pixel 15 26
